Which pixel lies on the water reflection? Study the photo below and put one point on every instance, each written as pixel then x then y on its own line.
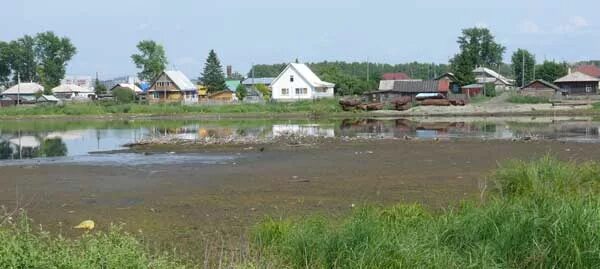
pixel 31 146
pixel 33 139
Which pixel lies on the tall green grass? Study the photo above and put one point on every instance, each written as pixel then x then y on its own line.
pixel 538 214
pixel 24 246
pixel 316 107
pixel 521 99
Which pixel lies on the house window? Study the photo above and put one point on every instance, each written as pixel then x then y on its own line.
pixel 156 95
pixel 588 89
pixel 292 78
pixel 285 91
pixel 322 90
pixel 301 91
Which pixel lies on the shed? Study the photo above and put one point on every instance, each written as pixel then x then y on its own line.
pixel 578 83
pixel 539 88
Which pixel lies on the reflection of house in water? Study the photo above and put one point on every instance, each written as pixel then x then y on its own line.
pixel 304 130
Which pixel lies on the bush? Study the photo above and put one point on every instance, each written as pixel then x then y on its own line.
pixel 539 214
pixel 123 95
pixel 490 89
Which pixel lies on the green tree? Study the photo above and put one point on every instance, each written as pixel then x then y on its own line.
pixel 4 62
pixel 241 92
pixel 53 54
pixel 152 59
pixel 21 57
pixel 99 88
pixel 264 90
pixel 551 71
pixel 236 76
pixel 523 59
pixel 477 48
pixel 213 77
pixel 123 95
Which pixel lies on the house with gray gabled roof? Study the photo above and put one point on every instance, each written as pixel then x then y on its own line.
pixel 172 87
pixel 578 83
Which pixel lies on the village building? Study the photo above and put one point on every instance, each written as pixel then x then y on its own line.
pixel 133 87
pixel 409 88
pixel 48 99
pixel 23 93
pixel 485 75
pixel 395 76
pixel 589 69
pixel 578 83
pixel 298 82
pixel 252 94
pixel 224 96
pixel 81 81
pixel 472 90
pixel 539 88
pixel 172 87
pixel 73 92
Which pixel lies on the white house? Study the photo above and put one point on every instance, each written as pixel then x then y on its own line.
pixel 298 82
pixel 24 92
pixel 485 75
pixel 73 92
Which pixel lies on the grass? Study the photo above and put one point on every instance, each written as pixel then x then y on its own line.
pixel 480 99
pixel 22 246
pixel 538 214
pixel 316 107
pixel 521 99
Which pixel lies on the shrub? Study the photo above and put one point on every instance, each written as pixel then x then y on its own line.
pixel 490 89
pixel 123 95
pixel 521 99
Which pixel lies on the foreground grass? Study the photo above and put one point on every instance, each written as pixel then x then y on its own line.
pixel 539 214
pixel 21 246
pixel 521 99
pixel 104 108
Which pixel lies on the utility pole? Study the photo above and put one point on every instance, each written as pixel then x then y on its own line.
pixel 367 70
pixel 18 88
pixel 523 71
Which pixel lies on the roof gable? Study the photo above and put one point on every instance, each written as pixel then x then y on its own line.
pixel 308 75
pixel 576 77
pixel 25 88
pixel 543 82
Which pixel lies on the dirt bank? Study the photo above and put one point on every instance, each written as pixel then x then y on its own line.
pixel 182 204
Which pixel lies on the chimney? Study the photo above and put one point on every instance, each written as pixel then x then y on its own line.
pixel 229 71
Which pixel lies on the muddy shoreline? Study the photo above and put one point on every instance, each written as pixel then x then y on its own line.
pixel 182 205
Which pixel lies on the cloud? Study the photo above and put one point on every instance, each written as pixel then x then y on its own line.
pixel 574 24
pixel 529 27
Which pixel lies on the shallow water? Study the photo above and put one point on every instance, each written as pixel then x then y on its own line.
pixel 69 142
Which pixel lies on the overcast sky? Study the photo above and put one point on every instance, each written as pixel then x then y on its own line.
pixel 243 32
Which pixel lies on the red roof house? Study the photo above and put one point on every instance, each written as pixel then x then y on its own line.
pixel 395 76
pixel 588 69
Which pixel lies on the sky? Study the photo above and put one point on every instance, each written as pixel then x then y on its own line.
pixel 244 32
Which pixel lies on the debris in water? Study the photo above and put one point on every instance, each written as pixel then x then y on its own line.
pixel 86 225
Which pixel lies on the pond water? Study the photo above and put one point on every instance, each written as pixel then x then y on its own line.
pixel 84 141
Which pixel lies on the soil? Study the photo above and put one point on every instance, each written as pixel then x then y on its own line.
pixel 184 204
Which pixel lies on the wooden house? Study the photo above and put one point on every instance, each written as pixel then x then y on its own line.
pixel 408 88
pixel 539 88
pixel 172 87
pixel 578 83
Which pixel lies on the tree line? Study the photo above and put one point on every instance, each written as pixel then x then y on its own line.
pixel 41 58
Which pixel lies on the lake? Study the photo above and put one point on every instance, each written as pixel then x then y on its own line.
pixel 85 141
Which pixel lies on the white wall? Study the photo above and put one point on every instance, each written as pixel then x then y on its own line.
pixel 284 82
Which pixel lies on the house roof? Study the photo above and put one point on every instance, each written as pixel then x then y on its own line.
pixel 181 80
pixel 395 76
pixel 417 86
pixel 492 74
pixel 66 88
pixel 49 98
pixel 253 81
pixel 25 88
pixel 576 77
pixel 232 84
pixel 473 86
pixel 546 83
pixel 590 70
pixel 132 87
pixel 307 74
